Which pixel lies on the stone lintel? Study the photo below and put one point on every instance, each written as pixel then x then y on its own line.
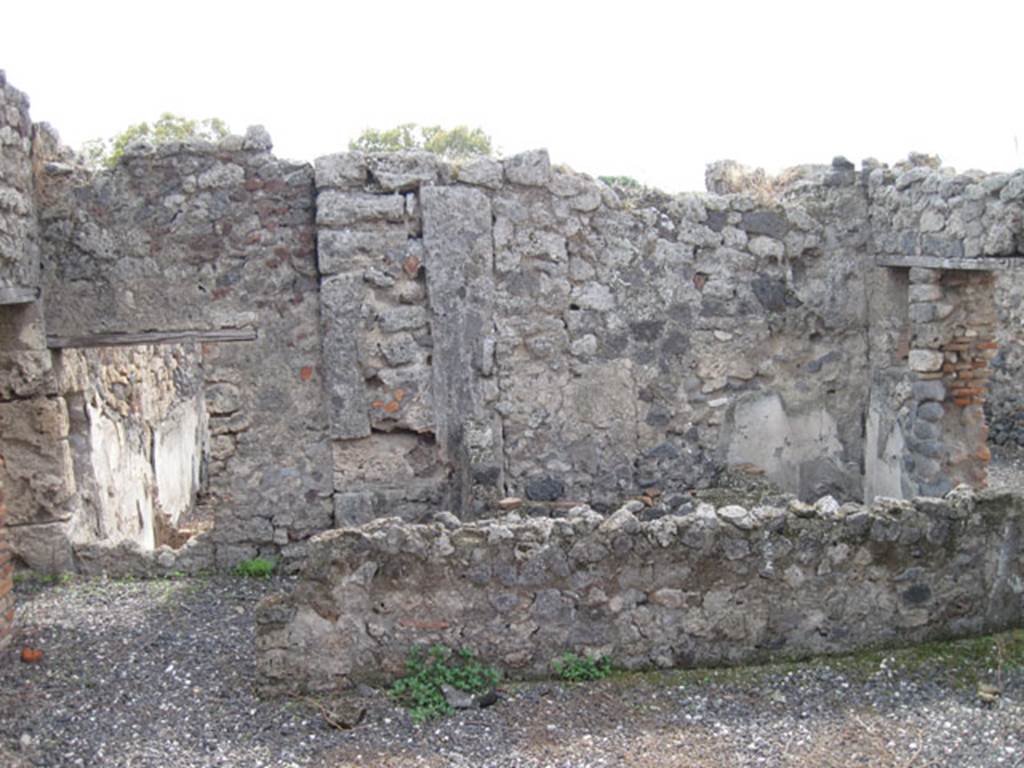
pixel 13 294
pixel 981 263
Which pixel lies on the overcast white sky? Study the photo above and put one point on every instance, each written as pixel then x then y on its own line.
pixel 654 90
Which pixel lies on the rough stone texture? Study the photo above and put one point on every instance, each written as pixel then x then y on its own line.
pixel 203 237
pixel 19 242
pixel 459 261
pixel 711 587
pixel 6 579
pixel 602 348
pixel 137 431
pixel 443 336
pixel 35 460
pixel 953 322
pixel 36 470
pixel 1005 406
pixel 921 209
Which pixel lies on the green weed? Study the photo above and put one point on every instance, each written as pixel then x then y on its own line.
pixel 577 669
pixel 420 688
pixel 256 568
pixel 50 579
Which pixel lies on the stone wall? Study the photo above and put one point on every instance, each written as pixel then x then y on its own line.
pixel 137 431
pixel 206 237
pixel 19 243
pixel 509 328
pixel 6 580
pixel 717 586
pixel 1005 407
pixel 952 341
pixel 35 471
pixel 920 209
pixel 435 335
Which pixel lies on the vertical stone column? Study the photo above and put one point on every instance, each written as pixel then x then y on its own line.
pixel 952 316
pixel 459 250
pixel 6 579
pixel 377 339
pixel 35 459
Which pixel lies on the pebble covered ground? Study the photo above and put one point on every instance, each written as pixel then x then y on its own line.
pixel 160 674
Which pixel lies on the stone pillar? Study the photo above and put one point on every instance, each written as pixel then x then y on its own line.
pixel 952 314
pixel 377 336
pixel 6 579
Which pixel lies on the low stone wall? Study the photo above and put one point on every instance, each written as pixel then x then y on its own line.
pixel 712 587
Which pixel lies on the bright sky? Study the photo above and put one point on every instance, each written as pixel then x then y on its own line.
pixel 654 90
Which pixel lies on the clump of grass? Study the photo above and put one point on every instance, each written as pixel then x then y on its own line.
pixel 420 689
pixel 256 568
pixel 51 579
pixel 577 669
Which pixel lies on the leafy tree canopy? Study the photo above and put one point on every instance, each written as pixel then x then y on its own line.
pixel 626 182
pixel 452 144
pixel 170 127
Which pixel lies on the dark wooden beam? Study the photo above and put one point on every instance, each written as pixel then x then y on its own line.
pixel 150 337
pixel 16 295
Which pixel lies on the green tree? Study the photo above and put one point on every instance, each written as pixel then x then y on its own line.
pixel 626 182
pixel 169 127
pixel 452 144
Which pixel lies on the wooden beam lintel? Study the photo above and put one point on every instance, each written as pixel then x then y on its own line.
pixel 151 337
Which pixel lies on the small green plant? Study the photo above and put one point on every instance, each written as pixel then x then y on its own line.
pixel 426 671
pixel 256 568
pixel 577 669
pixel 52 579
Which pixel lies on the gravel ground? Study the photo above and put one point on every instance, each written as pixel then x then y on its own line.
pixel 160 674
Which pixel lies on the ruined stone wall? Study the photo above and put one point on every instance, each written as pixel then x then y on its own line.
pixel 1004 408
pixel 35 471
pixel 200 237
pixel 16 238
pixel 470 332
pixel 509 328
pixel 137 431
pixel 6 580
pixel 433 335
pixel 952 341
pixel 19 243
pixel 717 586
pixel 921 210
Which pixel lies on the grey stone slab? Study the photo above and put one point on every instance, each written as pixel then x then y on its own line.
pixel 459 258
pixel 341 298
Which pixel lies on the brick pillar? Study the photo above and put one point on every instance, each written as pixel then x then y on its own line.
pixel 6 580
pixel 952 315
